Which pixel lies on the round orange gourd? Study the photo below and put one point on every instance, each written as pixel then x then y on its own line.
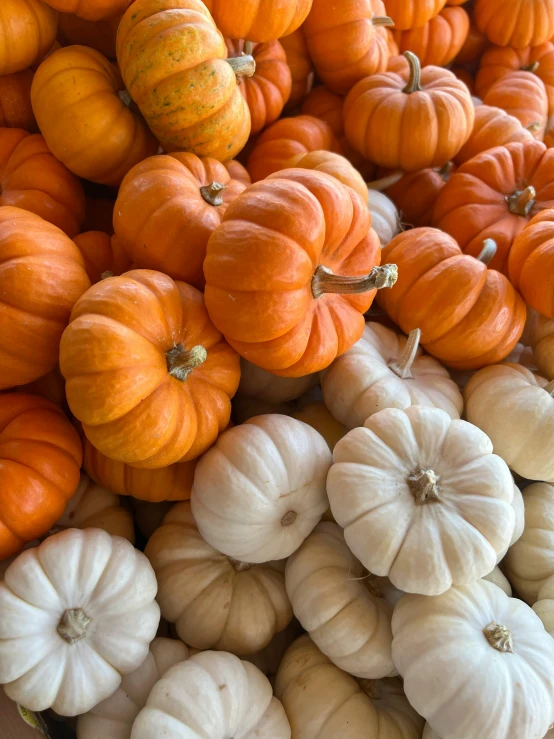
pixel 28 30
pixel 412 13
pixel 91 10
pixel 439 40
pixel 336 166
pixel 423 123
pixel 469 316
pixel 515 23
pixel 41 276
pixel 494 195
pixel 15 101
pixel 99 214
pixel 300 65
pixel 289 272
pixel 531 263
pixel 33 179
pixel 50 386
pixel 523 95
pixel 473 47
pixel 87 126
pixel 492 127
pixel 415 193
pixel 103 255
pixel 147 374
pixel 99 35
pixel 258 20
pixel 40 457
pixel 167 208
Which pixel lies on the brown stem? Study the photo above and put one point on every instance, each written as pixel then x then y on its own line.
pixel 445 171
pixel 486 255
pixel 242 66
pixel 550 388
pixel 375 585
pixel 387 181
pixel 180 362
pixel 213 193
pixel 522 201
pixel 240 566
pixel 382 20
pixel 424 486
pixel 414 80
pixel 324 281
pixel 73 625
pixel 372 688
pixel 531 67
pixel 499 637
pixel 403 366
pixel 289 518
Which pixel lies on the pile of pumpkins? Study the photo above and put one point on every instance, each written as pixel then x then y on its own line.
pixel 277 306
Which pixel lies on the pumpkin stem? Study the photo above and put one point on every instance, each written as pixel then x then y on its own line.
pixel 289 518
pixel 242 66
pixel 403 366
pixel 240 566
pixel 125 98
pixel 372 688
pixel 445 171
pixel 414 80
pixel 382 20
pixel 73 625
pixel 499 637
pixel 324 281
pixel 488 251
pixel 181 362
pixel 387 181
pixel 424 486
pixel 522 201
pixel 106 274
pixel 375 585
pixel 248 48
pixel 533 127
pixel 213 193
pixel 531 67
pixel 550 388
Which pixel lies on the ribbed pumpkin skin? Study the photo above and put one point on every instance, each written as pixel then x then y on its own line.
pixel 28 30
pixel 300 65
pixel 416 192
pixel 475 44
pixel 16 110
pixel 515 23
pixel 335 165
pixel 258 20
pixel 531 263
pixel 412 13
pixel 439 40
pixel 492 127
pixel 91 10
pixel 172 60
pixel 523 95
pixel 99 35
pixel 102 253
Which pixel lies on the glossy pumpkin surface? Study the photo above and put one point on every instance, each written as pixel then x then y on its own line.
pixel 15 101
pixel 28 29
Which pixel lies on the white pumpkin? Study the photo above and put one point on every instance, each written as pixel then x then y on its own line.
pixel 498 578
pixel 384 216
pixel 519 523
pixel 326 586
pixel 386 370
pixel 544 605
pixel 260 490
pixel 113 718
pixel 214 600
pixel 323 702
pixel 256 382
pixel 428 733
pixel 475 663
pixel 520 354
pixel 76 613
pixel 422 499
pixel 213 695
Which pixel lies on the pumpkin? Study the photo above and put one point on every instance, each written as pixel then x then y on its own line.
pixel 166 210
pixel 539 334
pixel 86 124
pixel 335 165
pixel 258 21
pixel 469 316
pixel 300 65
pixel 103 255
pixel 28 29
pixel 544 605
pixel 493 645
pixel 385 219
pixel 257 383
pixel 147 374
pixel 515 23
pixel 497 578
pixel 172 60
pixel 386 370
pixel 492 127
pixel 50 386
pixel 42 275
pixel 523 95
pixel 326 587
pixel 494 195
pixel 347 42
pixel 99 34
pixel 33 179
pixel 474 46
pixel 287 463
pixel 465 76
pixel 91 10
pixel 434 109
pixel 285 302
pixel 317 416
pixel 415 193
pixel 216 602
pixel 412 13
pixel 269 658
pixel 439 40
pixel 80 604
pixel 549 133
pixel 113 717
pixel 529 263
pixel 15 101
pixel 99 214
pixel 323 702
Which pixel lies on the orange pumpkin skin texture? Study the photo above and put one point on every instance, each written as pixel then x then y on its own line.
pixel 439 40
pixel 40 457
pixel 465 76
pixel 523 95
pixel 409 126
pixel 473 47
pixel 102 254
pixel 268 90
pixel 531 263
pixel 166 212
pixel 33 179
pixel 91 10
pixel 300 65
pixel 258 20
pixel 28 30
pixel 15 101
pixel 42 274
pixel 416 192
pixel 172 60
pixel 494 195
pixel 412 13
pixel 84 122
pixel 50 386
pixel 335 165
pixel 261 262
pixel 99 35
pixel 469 316
pixel 116 356
pixel 492 127
pixel 515 23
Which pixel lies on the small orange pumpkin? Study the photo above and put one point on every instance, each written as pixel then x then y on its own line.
pixel 549 133
pixel 415 193
pixel 16 110
pixel 515 23
pixel 28 30
pixel 99 35
pixel 439 40
pixel 413 13
pixel 50 386
pixel 103 255
pixel 335 165
pixel 531 263
pixel 258 20
pixel 475 44
pixel 492 127
pixel 300 65
pixel 522 95
pixel 465 76
pixel 91 10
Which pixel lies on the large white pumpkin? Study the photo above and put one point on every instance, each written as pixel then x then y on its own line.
pixel 258 383
pixel 475 663
pixel 384 216
pixel 260 490
pixel 213 695
pixel 422 499
pixel 76 613
pixel 498 578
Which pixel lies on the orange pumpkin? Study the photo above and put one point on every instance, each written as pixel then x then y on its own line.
pixel 492 127
pixel 531 263
pixel 147 374
pixel 15 101
pixel 549 133
pixel 456 2
pixel 494 195
pixel 515 23
pixel 465 76
pixel 439 40
pixel 99 35
pixel 86 124
pixel 473 47
pixel 50 386
pixel 40 457
pixel 33 179
pixel 469 316
pixel 91 10
pixel 258 20
pixel 290 271
pixel 28 30
pixel 412 13
pixel 423 123
pixel 167 208
pixel 415 193
pixel 300 65
pixel 522 95
pixel 99 214
pixel 267 91
pixel 42 274
pixel 103 255
pixel 335 165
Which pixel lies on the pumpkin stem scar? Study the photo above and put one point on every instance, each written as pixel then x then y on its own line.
pixel 414 80
pixel 106 274
pixel 125 98
pixel 533 127
pixel 324 281
pixel 240 566
pixel 445 171
pixel 488 251
pixel 522 201
pixel 531 67
pixel 181 362
pixel 387 181
pixel 499 637
pixel 73 625
pixel 289 518
pixel 213 193
pixel 248 48
pixel 382 20
pixel 372 688
pixel 403 366
pixel 550 388
pixel 243 66
pixel 424 486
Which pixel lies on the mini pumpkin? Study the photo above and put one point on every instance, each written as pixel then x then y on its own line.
pixel 99 34
pixel 497 578
pixel 523 95
pixel 300 65
pixel 15 101
pixel 317 415
pixel 92 10
pixel 413 13
pixel 257 383
pixel 269 658
pixel 28 29
pixel 335 165
pixel 539 334
pixel 492 127
pixel 50 386
pixel 439 40
pixel 474 46
pixel 415 193
pixel 103 255
pixel 385 219
pixel 515 23
pixel 258 21
pixel 530 263
pixel 544 605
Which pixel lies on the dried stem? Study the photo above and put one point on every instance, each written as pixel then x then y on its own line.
pixel 414 80
pixel 403 366
pixel 324 281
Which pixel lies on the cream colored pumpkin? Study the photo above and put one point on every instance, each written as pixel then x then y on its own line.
pixel 323 702
pixel 428 733
pixel 113 718
pixel 269 658
pixel 326 587
pixel 386 370
pixel 148 516
pixel 544 605
pixel 76 613
pixel 212 695
pixel 422 499
pixel 215 601
pixel 519 522
pixel 256 382
pixel 539 333
pixel 260 490
pixel 515 409
pixel 384 216
pixel 475 663
pixel 498 578
pixel 319 417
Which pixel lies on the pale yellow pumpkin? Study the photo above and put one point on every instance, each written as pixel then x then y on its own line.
pixel 385 219
pixel 544 605
pixel 269 658
pixel 318 416
pixel 539 333
pixel 498 578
